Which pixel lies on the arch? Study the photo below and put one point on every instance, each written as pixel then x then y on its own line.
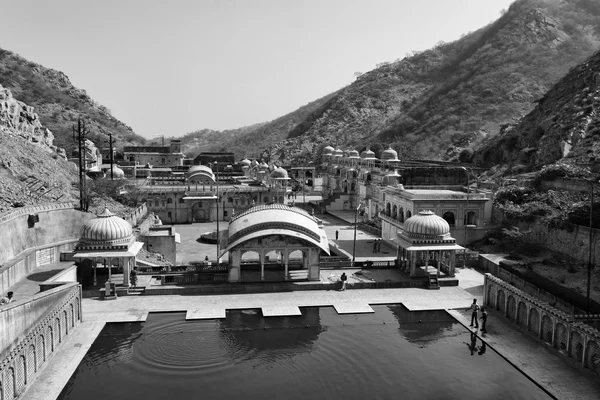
pixel 169 200
pixel 266 199
pixel 522 314
pixel 408 214
pixel 352 187
pixel 472 218
pixel 58 331
pixel 511 307
pixel 50 338
pixel 65 322
pixel 561 337
pixel 501 301
pixel 31 363
pixel 576 346
pixel 296 255
pixel 534 320
pixel 401 214
pixel 281 200
pixel 274 256
pixel 388 209
pixel 20 377
pixel 10 384
pixel 592 358
pixel 250 256
pixel 230 199
pixel 546 329
pixel 395 212
pixel 77 317
pixel 41 346
pixel 72 314
pixel 449 217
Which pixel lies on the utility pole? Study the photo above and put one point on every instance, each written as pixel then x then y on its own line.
pixel 82 133
pixel 112 155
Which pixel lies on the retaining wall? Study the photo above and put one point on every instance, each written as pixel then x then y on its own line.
pixel 32 331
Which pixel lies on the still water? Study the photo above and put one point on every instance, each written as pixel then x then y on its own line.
pixel 392 353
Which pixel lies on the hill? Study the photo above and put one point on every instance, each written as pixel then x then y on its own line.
pixel 59 104
pixel 444 102
pixel 563 126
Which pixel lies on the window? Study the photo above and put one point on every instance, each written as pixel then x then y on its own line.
pixel 449 217
pixel 156 203
pixel 181 201
pixel 169 215
pixel 169 200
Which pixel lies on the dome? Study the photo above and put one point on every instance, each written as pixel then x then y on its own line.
pixel 353 154
pixel 391 179
pixel 367 154
pixel 338 153
pixel 279 173
pixel 263 166
pixel 106 230
pixel 426 224
pixel 200 171
pixel 389 155
pixel 245 162
pixel 327 151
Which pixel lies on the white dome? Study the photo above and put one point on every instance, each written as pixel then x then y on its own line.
pixel 106 229
pixel 426 224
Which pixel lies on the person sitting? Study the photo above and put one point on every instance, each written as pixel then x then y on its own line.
pixel 6 299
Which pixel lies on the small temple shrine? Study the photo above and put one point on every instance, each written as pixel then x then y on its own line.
pixel 108 241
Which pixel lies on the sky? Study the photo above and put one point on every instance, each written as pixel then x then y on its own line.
pixel 173 67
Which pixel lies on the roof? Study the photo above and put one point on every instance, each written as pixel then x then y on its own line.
pixel 276 219
pixel 132 251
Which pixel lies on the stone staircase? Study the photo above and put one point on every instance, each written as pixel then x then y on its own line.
pixel 433 282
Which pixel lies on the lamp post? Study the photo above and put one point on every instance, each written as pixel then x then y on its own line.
pixel 354 240
pixel 217 183
pixel 466 220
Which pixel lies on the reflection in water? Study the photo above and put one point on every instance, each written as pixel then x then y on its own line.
pixel 318 355
pixel 422 327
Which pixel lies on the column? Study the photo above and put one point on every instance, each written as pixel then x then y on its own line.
pixel 110 269
pixel 439 262
pixel 286 258
pixel 126 269
pixel 262 265
pixel 453 263
pixel 95 262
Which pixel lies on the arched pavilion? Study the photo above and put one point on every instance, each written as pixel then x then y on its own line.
pixel 273 232
pixel 425 243
pixel 109 240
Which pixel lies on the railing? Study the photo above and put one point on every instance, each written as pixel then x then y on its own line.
pixel 21 362
pixel 17 212
pixel 560 330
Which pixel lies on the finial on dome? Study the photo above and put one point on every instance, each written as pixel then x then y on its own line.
pixel 106 213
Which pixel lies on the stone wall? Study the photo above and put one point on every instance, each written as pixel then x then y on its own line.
pixel 32 331
pixel 562 331
pixel 29 242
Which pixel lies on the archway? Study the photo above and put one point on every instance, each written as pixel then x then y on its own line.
pixel 200 212
pixel 449 217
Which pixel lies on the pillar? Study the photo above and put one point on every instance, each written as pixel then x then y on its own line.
pixel 286 259
pixel 439 262
pixel 127 261
pixel 262 264
pixel 95 280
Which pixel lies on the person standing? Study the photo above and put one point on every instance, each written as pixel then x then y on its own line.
pixel 343 278
pixel 379 245
pixel 337 235
pixel 375 246
pixel 133 278
pixel 6 299
pixel 483 320
pixel 474 309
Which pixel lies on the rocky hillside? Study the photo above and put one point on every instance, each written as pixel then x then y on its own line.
pixel 59 104
pixel 563 126
pixel 32 169
pixel 444 102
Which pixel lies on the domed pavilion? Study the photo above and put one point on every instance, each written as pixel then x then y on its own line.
pixel 281 242
pixel 107 240
pixel 426 247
